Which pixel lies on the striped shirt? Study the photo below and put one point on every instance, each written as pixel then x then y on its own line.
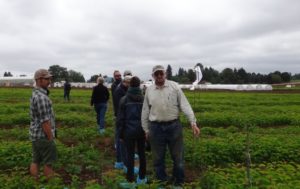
pixel 40 111
pixel 163 104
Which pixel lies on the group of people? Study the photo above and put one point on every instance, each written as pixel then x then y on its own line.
pixel 153 117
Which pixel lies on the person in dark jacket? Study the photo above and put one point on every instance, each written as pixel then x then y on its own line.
pixel 114 86
pixel 117 81
pixel 131 131
pixel 120 148
pixel 99 100
pixel 67 89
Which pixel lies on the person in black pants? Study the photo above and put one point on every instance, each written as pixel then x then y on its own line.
pixel 131 131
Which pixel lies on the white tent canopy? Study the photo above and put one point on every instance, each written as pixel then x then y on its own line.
pixel 244 87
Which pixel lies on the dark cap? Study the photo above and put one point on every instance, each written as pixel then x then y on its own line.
pixel 42 73
pixel 158 68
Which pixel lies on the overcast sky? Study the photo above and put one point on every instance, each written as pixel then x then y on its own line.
pixel 97 36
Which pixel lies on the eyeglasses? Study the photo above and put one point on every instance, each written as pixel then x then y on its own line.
pixel 117 75
pixel 45 78
pixel 159 73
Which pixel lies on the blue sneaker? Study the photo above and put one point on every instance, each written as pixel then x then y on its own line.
pixel 119 165
pixel 135 170
pixel 141 181
pixel 102 131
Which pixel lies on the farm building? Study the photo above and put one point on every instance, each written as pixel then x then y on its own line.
pixel 16 81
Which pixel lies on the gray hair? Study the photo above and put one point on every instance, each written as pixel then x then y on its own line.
pixel 100 80
pixel 127 72
pixel 127 78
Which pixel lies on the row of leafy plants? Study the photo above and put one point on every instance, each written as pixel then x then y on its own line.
pixel 215 160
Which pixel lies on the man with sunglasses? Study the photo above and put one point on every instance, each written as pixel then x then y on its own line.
pixel 114 85
pixel 42 126
pixel 160 120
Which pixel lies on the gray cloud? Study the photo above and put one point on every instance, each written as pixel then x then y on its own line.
pixel 98 36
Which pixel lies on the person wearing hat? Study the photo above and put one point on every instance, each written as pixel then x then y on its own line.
pixel 42 126
pixel 127 72
pixel 163 102
pixel 99 98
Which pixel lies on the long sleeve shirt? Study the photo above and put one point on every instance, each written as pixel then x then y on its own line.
pixel 100 94
pixel 40 111
pixel 164 104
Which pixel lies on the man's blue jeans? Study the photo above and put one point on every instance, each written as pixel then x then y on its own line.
pixel 100 109
pixel 161 136
pixel 120 148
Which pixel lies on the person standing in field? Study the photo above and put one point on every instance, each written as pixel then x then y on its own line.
pixel 119 92
pixel 67 89
pixel 42 126
pixel 131 131
pixel 163 102
pixel 117 81
pixel 99 98
pixel 114 86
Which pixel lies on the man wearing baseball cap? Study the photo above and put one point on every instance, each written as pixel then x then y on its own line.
pixel 42 126
pixel 163 102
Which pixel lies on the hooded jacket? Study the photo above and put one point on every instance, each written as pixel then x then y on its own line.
pixel 129 115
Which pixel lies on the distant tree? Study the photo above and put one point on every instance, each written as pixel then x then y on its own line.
pixel 191 75
pixel 286 77
pixel 215 76
pixel 274 78
pixel 175 78
pixel 296 77
pixel 184 79
pixel 211 75
pixel 75 76
pixel 227 76
pixel 59 73
pixel 7 74
pixel 260 78
pixel 233 76
pixel 169 72
pixel 181 72
pixel 277 73
pixel 242 76
pixel 251 77
pixel 93 78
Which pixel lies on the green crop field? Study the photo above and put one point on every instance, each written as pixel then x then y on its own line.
pixel 234 126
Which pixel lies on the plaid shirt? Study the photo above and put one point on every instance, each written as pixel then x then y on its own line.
pixel 40 111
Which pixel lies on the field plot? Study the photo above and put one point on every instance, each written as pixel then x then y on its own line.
pixel 217 159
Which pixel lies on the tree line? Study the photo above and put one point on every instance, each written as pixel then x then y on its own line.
pixel 226 76
pixel 230 76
